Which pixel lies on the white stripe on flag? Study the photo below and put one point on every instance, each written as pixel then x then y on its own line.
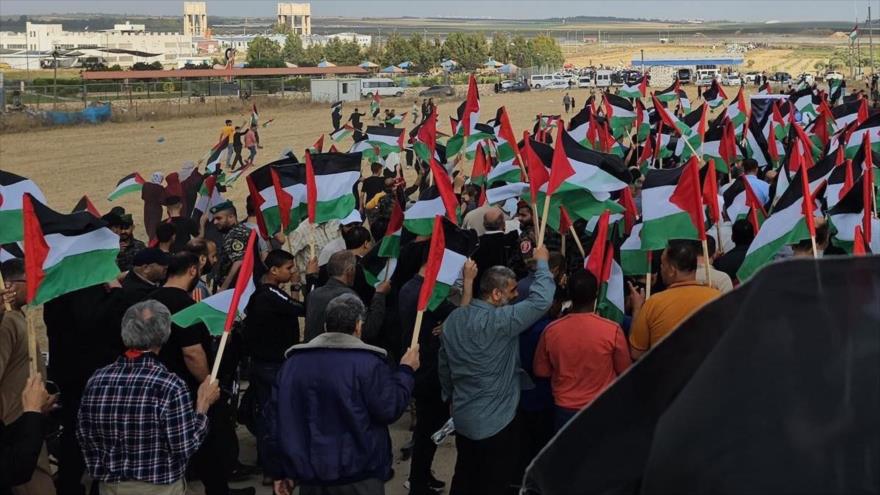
pixel 425 209
pixel 450 267
pixel 62 246
pixel 334 186
pixel 655 203
pixel 10 196
pixel 505 192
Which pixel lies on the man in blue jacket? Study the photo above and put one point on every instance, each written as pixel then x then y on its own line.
pixel 333 400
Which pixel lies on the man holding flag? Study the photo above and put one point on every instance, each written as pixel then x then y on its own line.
pixel 479 375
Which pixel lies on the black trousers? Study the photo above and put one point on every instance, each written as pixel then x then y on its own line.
pixel 237 158
pixel 213 461
pixel 431 414
pixel 537 430
pixel 488 466
pixel 71 464
pixel 369 486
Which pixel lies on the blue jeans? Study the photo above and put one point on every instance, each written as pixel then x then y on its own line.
pixel 262 379
pixel 253 150
pixel 230 151
pixel 563 415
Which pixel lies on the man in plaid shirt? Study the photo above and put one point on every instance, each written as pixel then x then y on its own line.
pixel 137 426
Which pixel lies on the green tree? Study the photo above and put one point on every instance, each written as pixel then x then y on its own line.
pixel 468 49
pixel 293 51
pixel 521 52
pixel 501 47
pixel 397 50
pixel 263 52
pixel 546 52
pixel 342 52
pixel 312 55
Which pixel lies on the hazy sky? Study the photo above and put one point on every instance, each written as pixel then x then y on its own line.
pixel 741 10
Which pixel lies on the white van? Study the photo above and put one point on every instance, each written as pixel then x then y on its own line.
pixel 585 81
pixel 381 86
pixel 603 78
pixel 548 81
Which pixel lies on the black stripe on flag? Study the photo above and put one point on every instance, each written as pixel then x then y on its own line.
pixel 852 201
pixel 336 163
pixel 73 224
pixel 375 130
pixel 662 177
pixel 8 178
pixel 610 164
pixel 461 241
pixel 127 177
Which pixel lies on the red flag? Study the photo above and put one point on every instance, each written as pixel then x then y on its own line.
pixel 848 180
pixel 258 201
pixel 688 195
pixel 664 115
pixel 537 172
pixel 480 170
pixel 444 187
pixel 285 201
pixel 561 168
pixel 85 204
pixel 728 144
pixel 395 222
pixel 565 222
pixel 630 212
pixel 863 112
pixel 643 86
pixel 311 188
pixel 771 145
pixel 36 250
pixel 593 132
pixel 754 204
pixel 245 274
pixel 505 131
pixel 808 205
pixel 859 242
pixel 710 192
pixel 647 152
pixel 332 149
pixel 435 260
pixel 471 105
pixel 453 124
pixel 868 189
pixel 806 146
pixel 596 262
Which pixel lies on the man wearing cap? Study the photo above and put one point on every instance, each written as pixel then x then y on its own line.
pixel 122 225
pixel 145 276
pixel 235 238
pixel 184 228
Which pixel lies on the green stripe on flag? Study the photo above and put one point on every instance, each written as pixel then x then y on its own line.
pixel 76 271
pixel 10 226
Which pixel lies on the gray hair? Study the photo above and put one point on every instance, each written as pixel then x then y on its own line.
pixel 495 277
pixel 340 263
pixel 343 313
pixel 146 325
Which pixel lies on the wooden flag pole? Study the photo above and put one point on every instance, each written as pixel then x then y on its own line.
pixel 416 329
pixel 577 241
pixel 311 240
pixel 718 244
pixel 706 262
pixel 3 286
pixel 648 276
pixel 388 269
pixel 219 357
pixel 562 248
pixel 815 250
pixel 543 229
pixel 32 345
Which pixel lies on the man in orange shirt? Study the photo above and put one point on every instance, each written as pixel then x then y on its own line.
pixel 226 135
pixel 655 318
pixel 582 353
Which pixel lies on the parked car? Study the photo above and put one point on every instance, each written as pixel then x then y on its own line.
pixel 515 87
pixel 781 77
pixel 833 75
pixel 749 77
pixel 684 76
pixel 381 86
pixel 547 81
pixel 731 79
pixel 438 91
pixel 603 78
pixel 586 81
pixel 807 78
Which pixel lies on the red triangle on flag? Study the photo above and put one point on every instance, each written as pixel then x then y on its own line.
pixel 435 260
pixel 688 195
pixel 35 248
pixel 444 187
pixel 710 192
pixel 245 274
pixel 596 262
pixel 561 168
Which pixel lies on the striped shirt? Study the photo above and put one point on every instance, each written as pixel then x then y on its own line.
pixel 137 423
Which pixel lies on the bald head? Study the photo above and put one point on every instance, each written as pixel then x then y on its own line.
pixel 493 220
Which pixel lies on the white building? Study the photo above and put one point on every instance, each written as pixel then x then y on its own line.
pixel 241 41
pixel 363 40
pixel 164 47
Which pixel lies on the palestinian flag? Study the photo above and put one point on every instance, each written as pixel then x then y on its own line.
pixel 684 101
pixel 870 127
pixel 318 147
pixel 374 104
pixel 390 245
pixel 634 91
pixel 851 212
pixel 505 138
pixel 765 89
pixel 786 225
pixel 12 190
pixel 670 120
pixel 669 94
pixel 576 168
pixel 600 262
pixel 330 180
pixel 131 183
pixel 740 201
pixel 450 249
pixel 502 193
pixel 620 114
pixel 10 251
pixel 64 253
pixel 720 146
pixel 579 125
pixel 467 132
pixel 642 122
pixel 696 124
pixel 208 196
pixel 737 112
pixel 219 311
pixel 481 166
pixel 342 133
pixel 633 259
pixel 279 191
pixel 836 90
pixel 424 137
pixel 714 95
pixel 85 204
pixel 840 181
pixel 805 102
pixel 378 268
pixel 419 218
pixel 854 111
pixel 854 33
pixel 667 196
pixel 212 157
pixel 396 120
pixel 380 142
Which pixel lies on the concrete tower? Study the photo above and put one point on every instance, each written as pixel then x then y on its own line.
pixel 195 18
pixel 288 14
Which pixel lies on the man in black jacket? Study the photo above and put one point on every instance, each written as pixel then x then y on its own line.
pixel 742 233
pixel 146 275
pixel 498 247
pixel 270 328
